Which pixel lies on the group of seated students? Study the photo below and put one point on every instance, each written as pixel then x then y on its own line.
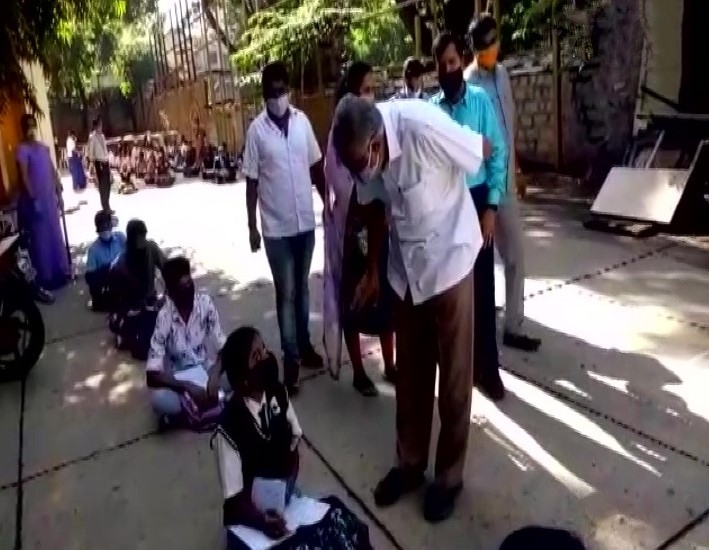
pixel 120 274
pixel 200 379
pixel 208 162
pixel 237 394
pixel 141 162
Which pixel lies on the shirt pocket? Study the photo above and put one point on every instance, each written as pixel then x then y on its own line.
pixel 414 211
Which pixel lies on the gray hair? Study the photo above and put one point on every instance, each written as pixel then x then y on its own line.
pixel 355 123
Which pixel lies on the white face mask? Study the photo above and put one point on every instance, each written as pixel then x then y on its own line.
pixel 372 170
pixel 278 106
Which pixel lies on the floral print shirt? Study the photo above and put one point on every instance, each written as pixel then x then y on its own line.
pixel 178 345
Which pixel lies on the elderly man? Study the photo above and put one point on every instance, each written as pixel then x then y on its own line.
pixel 492 76
pixel 412 155
pixel 282 162
pixel 470 106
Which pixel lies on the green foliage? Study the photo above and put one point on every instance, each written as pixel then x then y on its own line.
pixel 290 31
pixel 26 27
pixel 110 39
pixel 379 36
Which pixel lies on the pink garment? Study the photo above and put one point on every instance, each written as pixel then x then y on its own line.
pixel 338 190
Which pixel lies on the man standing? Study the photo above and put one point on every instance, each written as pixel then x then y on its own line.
pixel 492 76
pixel 413 80
pixel 417 157
pixel 97 151
pixel 470 106
pixel 282 161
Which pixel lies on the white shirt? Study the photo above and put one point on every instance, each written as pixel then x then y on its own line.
pixel 228 458
pixel 434 230
pixel 70 146
pixel 281 164
pixel 96 148
pixel 185 344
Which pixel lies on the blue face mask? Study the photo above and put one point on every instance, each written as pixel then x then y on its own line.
pixel 105 235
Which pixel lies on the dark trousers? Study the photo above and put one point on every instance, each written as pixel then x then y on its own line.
pixel 99 288
pixel 439 332
pixel 103 181
pixel 486 354
pixel 289 259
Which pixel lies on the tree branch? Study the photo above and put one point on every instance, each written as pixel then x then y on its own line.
pixel 212 20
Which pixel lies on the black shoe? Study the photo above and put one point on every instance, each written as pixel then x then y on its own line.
pixel 364 385
pixel 521 341
pixel 43 296
pixel 492 387
pixel 396 484
pixel 310 358
pixel 439 502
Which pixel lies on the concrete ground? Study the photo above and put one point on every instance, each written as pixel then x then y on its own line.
pixel 604 430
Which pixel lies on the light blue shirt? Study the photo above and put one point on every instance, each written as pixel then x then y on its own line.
pixel 475 111
pixel 104 253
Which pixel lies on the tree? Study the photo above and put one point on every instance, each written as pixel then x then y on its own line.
pixel 291 32
pixel 111 39
pixel 26 30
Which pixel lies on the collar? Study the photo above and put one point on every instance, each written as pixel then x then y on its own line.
pixel 175 314
pixel 390 129
pixel 440 98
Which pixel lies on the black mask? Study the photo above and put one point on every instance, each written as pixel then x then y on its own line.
pixel 451 83
pixel 264 373
pixel 183 295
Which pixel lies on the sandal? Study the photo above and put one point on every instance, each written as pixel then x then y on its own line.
pixel 365 386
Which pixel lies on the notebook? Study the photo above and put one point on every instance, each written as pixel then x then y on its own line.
pixel 300 511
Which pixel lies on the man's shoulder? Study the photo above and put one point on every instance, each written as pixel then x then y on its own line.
pixel 94 246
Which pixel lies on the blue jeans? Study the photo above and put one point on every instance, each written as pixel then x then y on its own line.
pixel 289 258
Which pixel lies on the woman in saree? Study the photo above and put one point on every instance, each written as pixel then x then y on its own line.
pixel 256 444
pixel 346 223
pixel 76 163
pixel 38 209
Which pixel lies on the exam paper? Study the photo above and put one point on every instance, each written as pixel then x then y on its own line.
pixel 300 511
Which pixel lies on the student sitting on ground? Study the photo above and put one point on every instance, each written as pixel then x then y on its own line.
pixel 257 439
pixel 135 301
pixel 223 167
pixel 178 360
pixel 164 176
pixel 151 168
pixel 192 166
pixel 102 253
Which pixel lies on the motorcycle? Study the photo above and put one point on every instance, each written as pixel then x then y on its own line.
pixel 22 331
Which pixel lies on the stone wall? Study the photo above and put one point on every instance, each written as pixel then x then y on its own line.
pixel 534 102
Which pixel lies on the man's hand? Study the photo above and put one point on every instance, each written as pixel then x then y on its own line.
pixel 254 239
pixel 487 225
pixel 367 290
pixel 214 382
pixel 274 526
pixel 198 395
pixel 487 148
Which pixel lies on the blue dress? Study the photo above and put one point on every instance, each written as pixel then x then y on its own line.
pixel 76 168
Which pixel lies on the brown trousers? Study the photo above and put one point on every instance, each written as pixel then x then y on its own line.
pixel 438 331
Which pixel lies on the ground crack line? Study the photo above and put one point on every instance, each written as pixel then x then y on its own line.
pixel 602 271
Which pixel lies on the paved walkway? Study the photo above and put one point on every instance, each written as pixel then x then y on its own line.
pixel 604 430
